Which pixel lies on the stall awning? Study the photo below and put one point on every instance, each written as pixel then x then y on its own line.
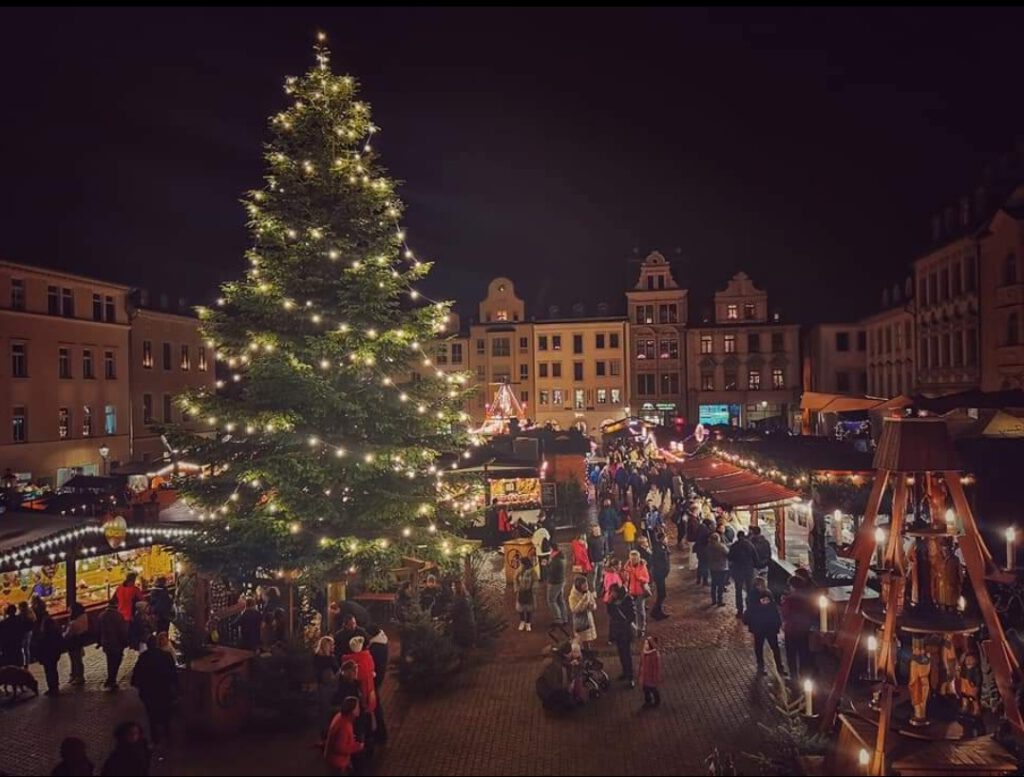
pixel 819 402
pixel 734 486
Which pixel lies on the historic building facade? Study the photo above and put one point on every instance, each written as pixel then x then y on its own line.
pixel 835 359
pixel 892 344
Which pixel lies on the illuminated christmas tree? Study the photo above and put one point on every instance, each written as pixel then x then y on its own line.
pixel 327 431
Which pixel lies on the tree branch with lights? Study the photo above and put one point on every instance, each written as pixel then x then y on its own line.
pixel 332 429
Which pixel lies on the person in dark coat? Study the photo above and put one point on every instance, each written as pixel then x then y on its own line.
pixel 131 755
pixel 762 551
pixel 349 628
pixel 660 567
pixel 74 759
pixel 380 653
pixel 463 621
pixel 764 621
pixel 156 679
pixel 47 645
pixel 700 547
pixel 621 625
pixel 113 640
pixel 357 611
pixel 160 604
pixel 248 622
pixel 12 637
pixel 742 559
pixel 608 520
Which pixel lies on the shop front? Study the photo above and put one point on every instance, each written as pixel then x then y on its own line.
pixel 719 414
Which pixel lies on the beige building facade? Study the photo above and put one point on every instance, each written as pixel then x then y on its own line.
pixel 1002 297
pixel 836 357
pixel 892 344
pixel 64 378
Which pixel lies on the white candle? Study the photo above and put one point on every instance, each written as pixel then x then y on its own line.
pixel 864 758
pixel 880 542
pixel 961 604
pixel 809 697
pixel 873 656
pixel 950 521
pixel 823 607
pixel 1011 535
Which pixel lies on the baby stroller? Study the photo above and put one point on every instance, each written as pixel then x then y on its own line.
pixel 571 678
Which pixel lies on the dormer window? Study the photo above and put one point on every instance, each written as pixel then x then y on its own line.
pixel 501 315
pixel 732 312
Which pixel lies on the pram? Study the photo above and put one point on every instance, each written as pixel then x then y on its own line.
pixel 565 680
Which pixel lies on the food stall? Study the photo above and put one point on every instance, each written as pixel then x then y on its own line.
pixel 520 496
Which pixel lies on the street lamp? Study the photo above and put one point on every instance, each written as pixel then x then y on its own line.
pixel 104 453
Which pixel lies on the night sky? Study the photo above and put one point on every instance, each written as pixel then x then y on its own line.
pixel 807 147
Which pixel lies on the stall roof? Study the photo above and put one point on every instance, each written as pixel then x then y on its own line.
pixel 734 486
pixel 19 528
pixel 815 454
pixel 94 483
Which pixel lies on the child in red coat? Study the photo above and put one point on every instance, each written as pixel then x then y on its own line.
pixel 650 673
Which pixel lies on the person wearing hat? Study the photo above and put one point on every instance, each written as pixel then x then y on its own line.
pixel 364 661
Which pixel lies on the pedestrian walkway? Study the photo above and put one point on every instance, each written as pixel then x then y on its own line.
pixel 490 723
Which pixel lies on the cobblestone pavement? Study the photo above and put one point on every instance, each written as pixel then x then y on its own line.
pixel 490 723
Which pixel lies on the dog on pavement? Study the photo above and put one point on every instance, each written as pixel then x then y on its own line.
pixel 14 680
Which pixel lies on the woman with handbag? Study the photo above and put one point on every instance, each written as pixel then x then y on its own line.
pixel 582 604
pixel 638 585
pixel 525 597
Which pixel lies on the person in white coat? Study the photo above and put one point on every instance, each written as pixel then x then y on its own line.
pixel 582 605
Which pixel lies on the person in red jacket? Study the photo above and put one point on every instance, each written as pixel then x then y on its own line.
pixel 581 561
pixel 650 673
pixel 638 586
pixel 128 595
pixel 341 743
pixel 362 659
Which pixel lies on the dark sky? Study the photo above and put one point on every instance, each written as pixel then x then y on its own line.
pixel 807 147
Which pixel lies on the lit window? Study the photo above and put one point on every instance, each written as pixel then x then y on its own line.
pixel 754 380
pixel 19 425
pixel 147 354
pixel 732 312
pixel 186 360
pixel 110 419
pixel 778 379
pixel 705 344
pixel 63 423
pixel 87 421
pixel 202 358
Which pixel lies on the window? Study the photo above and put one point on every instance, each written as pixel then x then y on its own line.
pixel 501 315
pixel 97 307
pixel 87 372
pixel 778 342
pixel 64 362
pixel 577 371
pixel 556 369
pixel 958 350
pixel 842 341
pixel 524 371
pixel 167 409
pixel 645 348
pixel 17 294
pixel 730 343
pixel 19 425
pixel 543 396
pixel 63 423
pixel 524 397
pixel 501 346
pixel 754 380
pixel 599 341
pixel 705 344
pixel 481 373
pixel 602 396
pixel 456 354
pixel 147 408
pixel 732 312
pixel 19 360
pixel 669 349
pixel 481 348
pixel 669 383
pixel 707 381
pixel 645 314
pixel 556 342
pixel 53 300
pixel 945 350
pixel 778 379
pixel 524 345
pixel 87 421
pixel 645 384
pixel 542 370
pixel 202 357
pixel 748 310
pixel 186 360
pixel 1013 329
pixel 577 344
pixel 862 340
pixel 754 342
pixel 542 343
pixel 111 313
pixel 109 365
pixel 925 360
pixel 614 367
pixel 167 356
pixel 147 354
pixel 972 347
pixel 110 419
pixel 67 303
pixel 577 399
pixel 442 354
pixel 970 272
pixel 613 340
pixel 933 288
pixel 922 291
pixel 616 396
pixel 842 381
pixel 934 347
pixel 1010 269
pixel 557 397
pixel 600 369
pixel 668 314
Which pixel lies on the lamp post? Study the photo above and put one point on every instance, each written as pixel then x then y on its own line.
pixel 104 453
